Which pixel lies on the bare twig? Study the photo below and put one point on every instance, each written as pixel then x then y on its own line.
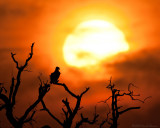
pixel 86 120
pixel 107 118
pixel 105 100
pixel 46 109
pixel 66 88
pixel 67 105
pixel 130 108
pixel 12 55
pixel 84 92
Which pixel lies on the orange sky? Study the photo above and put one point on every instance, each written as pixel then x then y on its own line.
pixel 48 22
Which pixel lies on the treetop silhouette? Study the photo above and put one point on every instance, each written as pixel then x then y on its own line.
pixel 70 113
pixel 115 110
pixel 10 100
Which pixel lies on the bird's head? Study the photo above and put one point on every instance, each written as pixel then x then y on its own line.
pixel 57 68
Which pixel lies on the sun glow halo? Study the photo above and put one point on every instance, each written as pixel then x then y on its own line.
pixel 93 41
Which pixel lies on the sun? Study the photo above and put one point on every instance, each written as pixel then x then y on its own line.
pixel 93 41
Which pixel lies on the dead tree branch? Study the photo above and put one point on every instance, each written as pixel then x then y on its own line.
pixel 68 112
pixel 86 120
pixel 114 105
pixel 9 101
pixel 107 120
pixel 131 108
pixel 20 69
pixel 46 109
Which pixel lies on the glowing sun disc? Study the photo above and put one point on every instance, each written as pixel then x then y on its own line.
pixel 93 41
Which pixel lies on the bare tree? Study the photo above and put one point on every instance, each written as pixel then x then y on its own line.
pixel 115 109
pixel 10 100
pixel 71 113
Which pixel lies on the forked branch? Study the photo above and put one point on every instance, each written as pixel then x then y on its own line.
pixel 9 101
pixel 115 109
pixel 68 112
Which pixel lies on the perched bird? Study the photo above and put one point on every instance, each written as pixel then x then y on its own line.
pixel 55 76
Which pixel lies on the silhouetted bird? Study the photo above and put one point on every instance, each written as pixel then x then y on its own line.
pixel 55 76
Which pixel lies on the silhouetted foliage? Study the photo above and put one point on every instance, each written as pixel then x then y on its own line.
pixel 9 101
pixel 115 109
